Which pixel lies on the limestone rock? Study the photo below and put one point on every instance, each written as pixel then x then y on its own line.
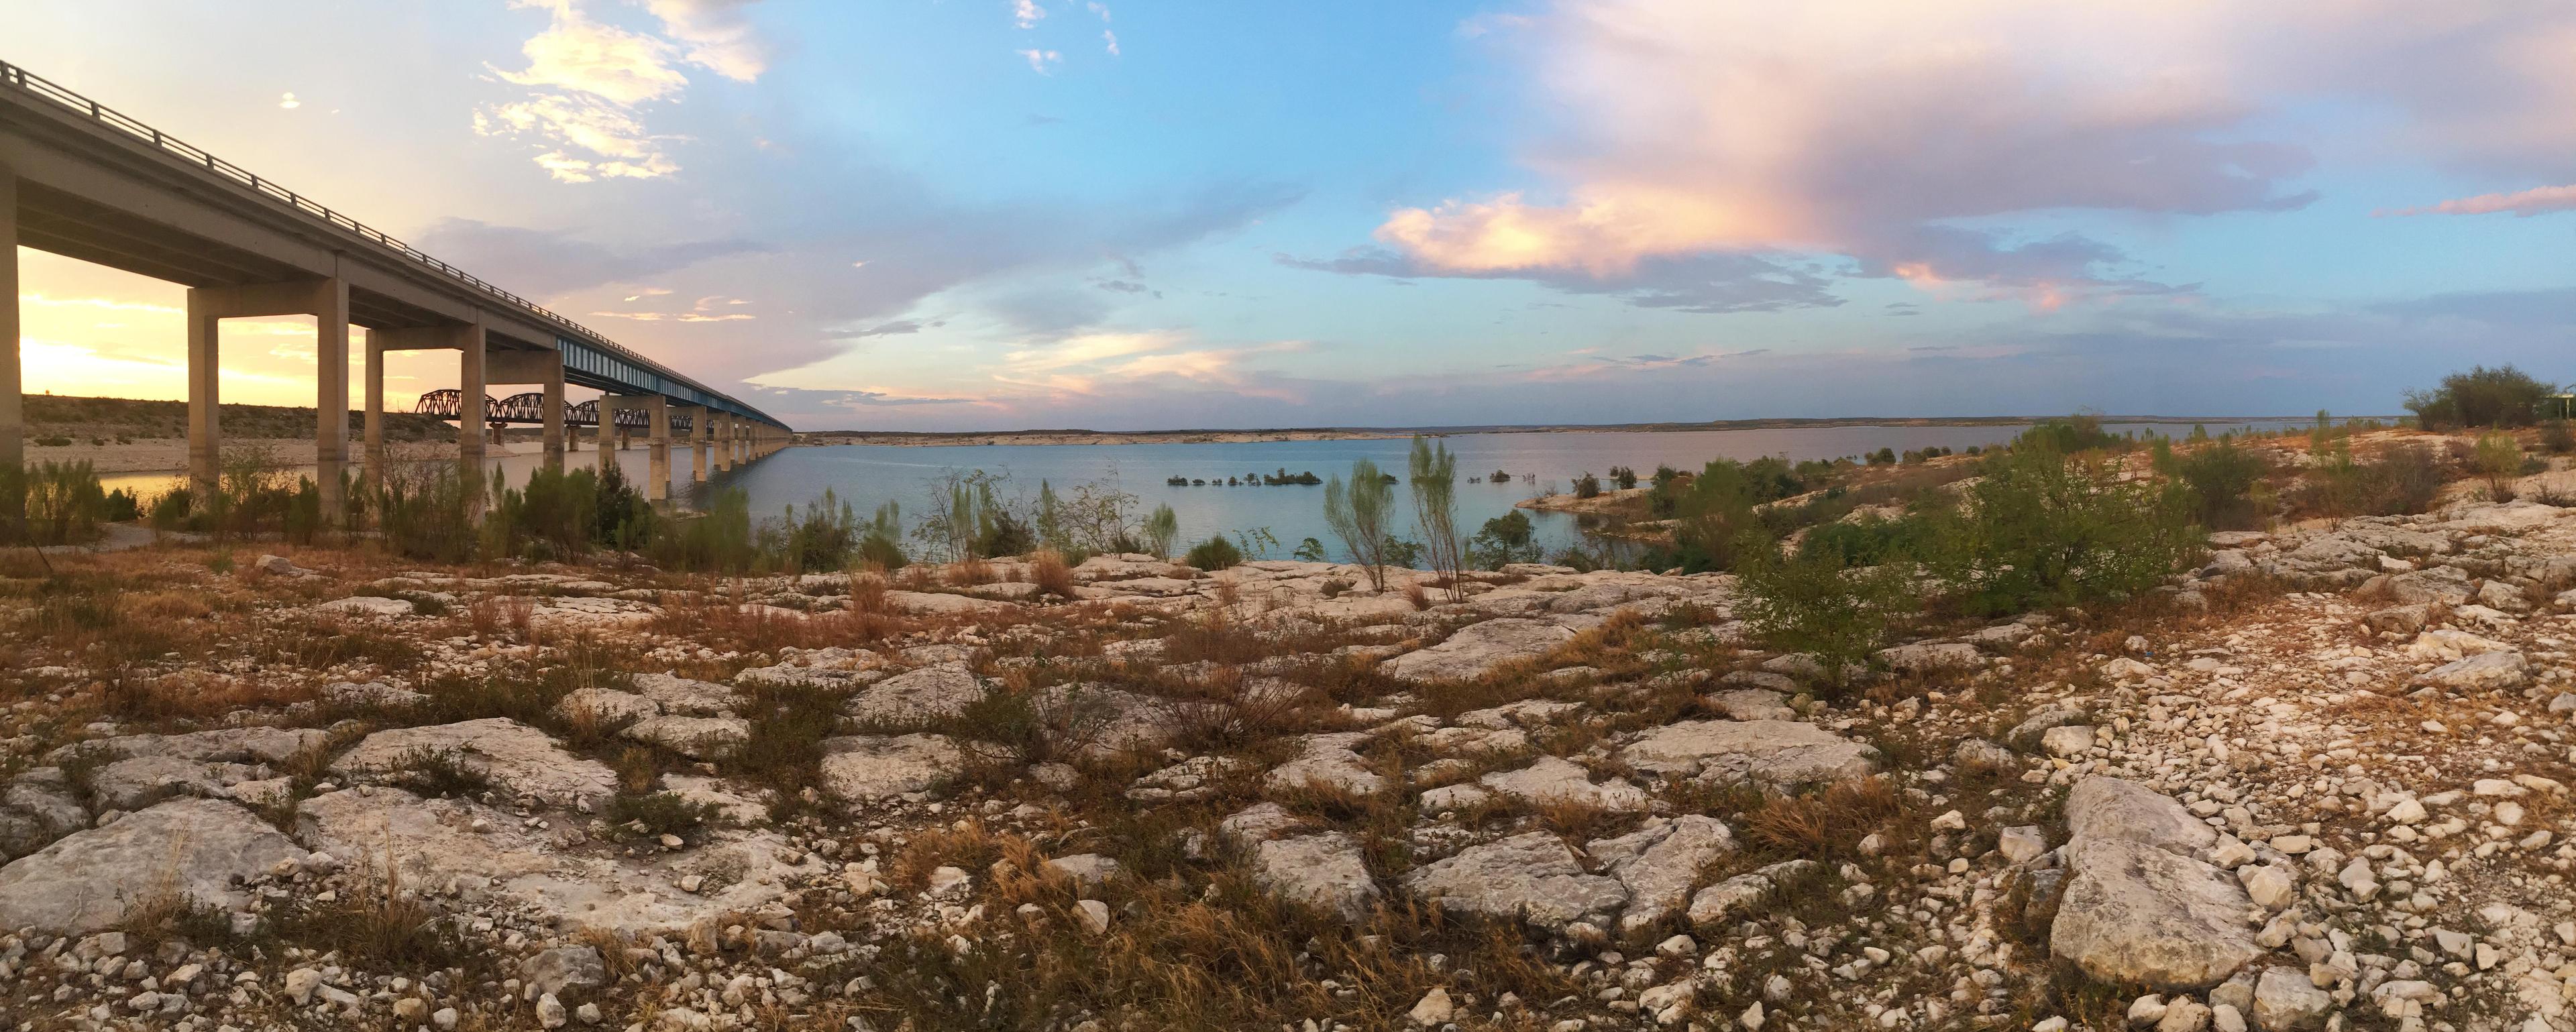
pixel 514 757
pixel 2138 907
pixel 1327 760
pixel 1532 876
pixel 1659 862
pixel 197 848
pixel 1772 752
pixel 1725 901
pixel 917 697
pixel 2286 1000
pixel 1554 780
pixel 864 768
pixel 1479 648
pixel 1325 871
pixel 2486 671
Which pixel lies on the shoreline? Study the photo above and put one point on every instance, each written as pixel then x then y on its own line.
pixel 967 438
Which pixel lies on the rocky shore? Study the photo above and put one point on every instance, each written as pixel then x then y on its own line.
pixel 2318 783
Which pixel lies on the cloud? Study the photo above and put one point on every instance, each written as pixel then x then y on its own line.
pixel 1040 61
pixel 591 79
pixel 899 327
pixel 717 35
pixel 1711 283
pixel 1676 128
pixel 543 263
pixel 2524 203
pixel 1112 39
pixel 1026 13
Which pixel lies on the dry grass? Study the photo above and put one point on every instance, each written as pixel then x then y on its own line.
pixel 1828 825
pixel 720 624
pixel 1049 572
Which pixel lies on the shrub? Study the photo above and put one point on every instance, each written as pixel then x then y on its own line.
pixel 1358 513
pixel 2499 460
pixel 424 515
pixel 1161 530
pixel 2222 478
pixel 718 540
pixel 51 503
pixel 1505 539
pixel 1623 476
pixel 2556 437
pixel 660 813
pixel 1048 571
pixel 881 541
pixel 2482 397
pixel 1434 478
pixel 1216 553
pixel 1817 602
pixel 2078 433
pixel 1587 485
pixel 2043 528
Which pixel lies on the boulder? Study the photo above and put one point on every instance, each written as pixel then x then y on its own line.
pixel 2069 740
pixel 1533 877
pixel 1327 760
pixel 700 738
pixel 1479 648
pixel 2137 906
pixel 1324 871
pixel 514 757
pixel 2287 1000
pixel 605 707
pixel 38 807
pixel 2026 735
pixel 1750 703
pixel 865 768
pixel 198 849
pixel 1773 752
pixel 684 697
pixel 552 971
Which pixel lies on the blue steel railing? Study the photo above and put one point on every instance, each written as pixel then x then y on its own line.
pixel 37 85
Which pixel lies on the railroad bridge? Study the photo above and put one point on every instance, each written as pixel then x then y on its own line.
pixel 85 181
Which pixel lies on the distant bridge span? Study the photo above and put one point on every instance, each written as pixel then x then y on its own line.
pixel 82 180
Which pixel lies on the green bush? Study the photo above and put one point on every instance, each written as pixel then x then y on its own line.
pixel 1508 538
pixel 2482 397
pixel 2042 528
pixel 2223 478
pixel 51 503
pixel 1587 485
pixel 2556 437
pixel 428 516
pixel 1215 553
pixel 2499 460
pixel 1818 602
pixel 1358 512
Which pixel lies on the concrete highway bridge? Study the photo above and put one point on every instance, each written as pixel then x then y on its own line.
pixel 82 180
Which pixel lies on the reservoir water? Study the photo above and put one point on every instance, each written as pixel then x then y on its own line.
pixel 868 475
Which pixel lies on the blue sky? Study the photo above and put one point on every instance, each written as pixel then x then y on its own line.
pixel 908 214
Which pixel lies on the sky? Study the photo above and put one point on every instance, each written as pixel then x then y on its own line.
pixel 1144 214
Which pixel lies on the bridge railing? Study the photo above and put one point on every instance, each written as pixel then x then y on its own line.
pixel 37 85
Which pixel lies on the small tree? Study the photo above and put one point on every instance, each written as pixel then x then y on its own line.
pixel 1434 478
pixel 1623 476
pixel 2043 528
pixel 1505 539
pixel 1587 485
pixel 1161 529
pixel 2482 397
pixel 2499 459
pixel 1357 512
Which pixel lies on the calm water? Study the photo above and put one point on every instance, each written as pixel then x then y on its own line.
pixel 866 476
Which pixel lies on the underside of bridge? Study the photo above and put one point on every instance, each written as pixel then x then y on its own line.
pixel 84 181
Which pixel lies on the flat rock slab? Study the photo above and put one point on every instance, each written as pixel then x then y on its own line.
pixel 1785 753
pixel 140 781
pixel 681 696
pixel 699 738
pixel 514 757
pixel 2488 671
pixel 1479 648
pixel 917 697
pixel 224 745
pixel 367 605
pixel 1555 780
pixel 932 603
pixel 865 768
pixel 1326 872
pixel 1327 760
pixel 437 844
pixel 195 847
pixel 1532 877
pixel 2115 809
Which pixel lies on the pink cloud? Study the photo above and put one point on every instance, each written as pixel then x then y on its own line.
pixel 2526 203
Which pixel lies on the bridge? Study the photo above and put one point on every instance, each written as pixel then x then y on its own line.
pixel 85 181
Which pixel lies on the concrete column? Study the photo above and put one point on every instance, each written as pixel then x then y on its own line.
pixel 331 401
pixel 13 402
pixel 658 446
pixel 472 397
pixel 373 458
pixel 607 421
pixel 702 421
pixel 205 395
pixel 555 418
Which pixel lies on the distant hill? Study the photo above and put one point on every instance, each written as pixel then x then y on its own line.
pixel 52 415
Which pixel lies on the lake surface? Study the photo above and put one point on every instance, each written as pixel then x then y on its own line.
pixel 868 475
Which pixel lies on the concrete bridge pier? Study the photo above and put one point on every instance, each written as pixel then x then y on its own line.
pixel 609 404
pixel 13 405
pixel 474 361
pixel 702 421
pixel 327 301
pixel 657 444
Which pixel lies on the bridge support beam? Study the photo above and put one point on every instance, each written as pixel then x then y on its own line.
pixel 608 406
pixel 658 449
pixel 702 421
pixel 13 402
pixel 473 387
pixel 327 301
pixel 555 436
